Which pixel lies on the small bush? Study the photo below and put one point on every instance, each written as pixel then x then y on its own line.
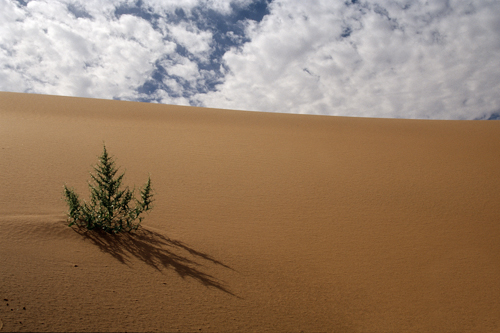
pixel 109 207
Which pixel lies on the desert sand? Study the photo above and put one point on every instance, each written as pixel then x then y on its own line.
pixel 262 221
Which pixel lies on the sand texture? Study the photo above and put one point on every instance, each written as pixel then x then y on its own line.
pixel 262 222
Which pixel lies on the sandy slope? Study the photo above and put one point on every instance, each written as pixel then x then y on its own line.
pixel 263 222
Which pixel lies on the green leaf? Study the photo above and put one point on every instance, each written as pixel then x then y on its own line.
pixel 109 208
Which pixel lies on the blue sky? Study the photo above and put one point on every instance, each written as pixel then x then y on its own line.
pixel 426 59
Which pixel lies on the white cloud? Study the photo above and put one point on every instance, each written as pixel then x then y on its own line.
pixel 195 41
pixel 45 48
pixel 414 59
pixel 56 53
pixel 187 5
pixel 182 67
pixel 382 58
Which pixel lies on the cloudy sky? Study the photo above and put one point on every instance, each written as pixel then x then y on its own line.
pixel 437 59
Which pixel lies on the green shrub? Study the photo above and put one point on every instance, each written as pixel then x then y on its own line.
pixel 109 207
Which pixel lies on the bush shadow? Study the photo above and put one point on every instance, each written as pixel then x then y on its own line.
pixel 157 251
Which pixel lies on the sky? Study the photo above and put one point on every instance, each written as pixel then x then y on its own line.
pixel 414 59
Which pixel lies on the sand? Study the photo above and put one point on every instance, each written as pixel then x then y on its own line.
pixel 262 221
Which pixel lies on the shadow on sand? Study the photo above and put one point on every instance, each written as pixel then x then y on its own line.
pixel 157 251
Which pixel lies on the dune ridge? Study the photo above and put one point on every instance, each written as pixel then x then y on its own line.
pixel 262 221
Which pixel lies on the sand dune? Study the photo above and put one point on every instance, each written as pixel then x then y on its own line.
pixel 262 222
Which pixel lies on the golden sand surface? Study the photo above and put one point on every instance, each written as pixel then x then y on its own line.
pixel 263 222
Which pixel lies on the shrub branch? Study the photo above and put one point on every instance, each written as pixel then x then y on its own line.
pixel 109 208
